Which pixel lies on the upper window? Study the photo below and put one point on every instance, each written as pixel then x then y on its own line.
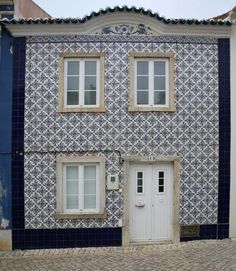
pixel 81 83
pixel 80 185
pixel 151 82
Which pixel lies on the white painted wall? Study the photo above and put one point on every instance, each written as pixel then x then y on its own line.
pixel 232 229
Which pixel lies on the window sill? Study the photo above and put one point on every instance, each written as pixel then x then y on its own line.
pixel 81 109
pixel 151 109
pixel 80 215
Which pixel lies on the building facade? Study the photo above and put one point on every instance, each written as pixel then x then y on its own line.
pixel 120 130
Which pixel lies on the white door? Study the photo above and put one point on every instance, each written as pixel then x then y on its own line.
pixel 150 202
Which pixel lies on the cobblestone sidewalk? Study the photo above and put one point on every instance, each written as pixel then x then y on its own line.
pixel 195 256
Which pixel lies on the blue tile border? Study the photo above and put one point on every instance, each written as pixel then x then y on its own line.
pixel 224 130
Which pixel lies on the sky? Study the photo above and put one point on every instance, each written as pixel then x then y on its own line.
pixel 198 9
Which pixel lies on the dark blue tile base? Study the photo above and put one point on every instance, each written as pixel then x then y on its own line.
pixel 66 238
pixel 214 231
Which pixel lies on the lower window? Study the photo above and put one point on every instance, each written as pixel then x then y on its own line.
pixel 80 185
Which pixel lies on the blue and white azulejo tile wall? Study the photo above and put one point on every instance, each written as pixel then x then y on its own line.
pixel 191 131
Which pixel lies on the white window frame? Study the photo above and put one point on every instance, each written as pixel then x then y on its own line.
pixel 81 89
pixel 62 162
pixel 81 188
pixel 151 77
pixel 134 57
pixel 64 58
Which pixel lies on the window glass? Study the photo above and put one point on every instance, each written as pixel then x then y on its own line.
pixel 73 68
pixel 142 67
pixel 90 67
pixel 90 97
pixel 159 68
pixel 159 97
pixel 159 83
pixel 72 202
pixel 72 188
pixel 73 98
pixel 73 83
pixel 142 82
pixel 90 83
pixel 89 187
pixel 142 97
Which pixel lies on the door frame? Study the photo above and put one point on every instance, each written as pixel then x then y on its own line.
pixel 175 160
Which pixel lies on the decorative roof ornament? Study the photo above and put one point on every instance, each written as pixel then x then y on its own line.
pixel 126 30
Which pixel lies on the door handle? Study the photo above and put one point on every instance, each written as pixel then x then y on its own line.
pixel 140 205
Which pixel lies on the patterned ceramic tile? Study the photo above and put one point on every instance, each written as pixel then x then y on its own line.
pixel 191 131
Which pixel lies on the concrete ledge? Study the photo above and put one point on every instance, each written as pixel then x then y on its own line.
pixel 5 240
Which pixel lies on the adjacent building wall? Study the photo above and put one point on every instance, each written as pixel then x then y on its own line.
pixel 232 232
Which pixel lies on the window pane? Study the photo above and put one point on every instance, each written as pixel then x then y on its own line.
pixel 90 83
pixel 142 67
pixel 159 97
pixel 73 68
pixel 90 172
pixel 161 181
pixel 90 97
pixel 72 187
pixel 73 83
pixel 161 188
pixel 72 202
pixel 159 83
pixel 90 202
pixel 160 68
pixel 90 67
pixel 72 98
pixel 142 82
pixel 90 187
pixel 71 172
pixel 161 174
pixel 142 97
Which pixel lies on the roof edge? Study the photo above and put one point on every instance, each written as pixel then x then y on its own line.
pixel 112 10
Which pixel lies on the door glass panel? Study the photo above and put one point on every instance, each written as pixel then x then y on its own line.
pixel 161 181
pixel 139 182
